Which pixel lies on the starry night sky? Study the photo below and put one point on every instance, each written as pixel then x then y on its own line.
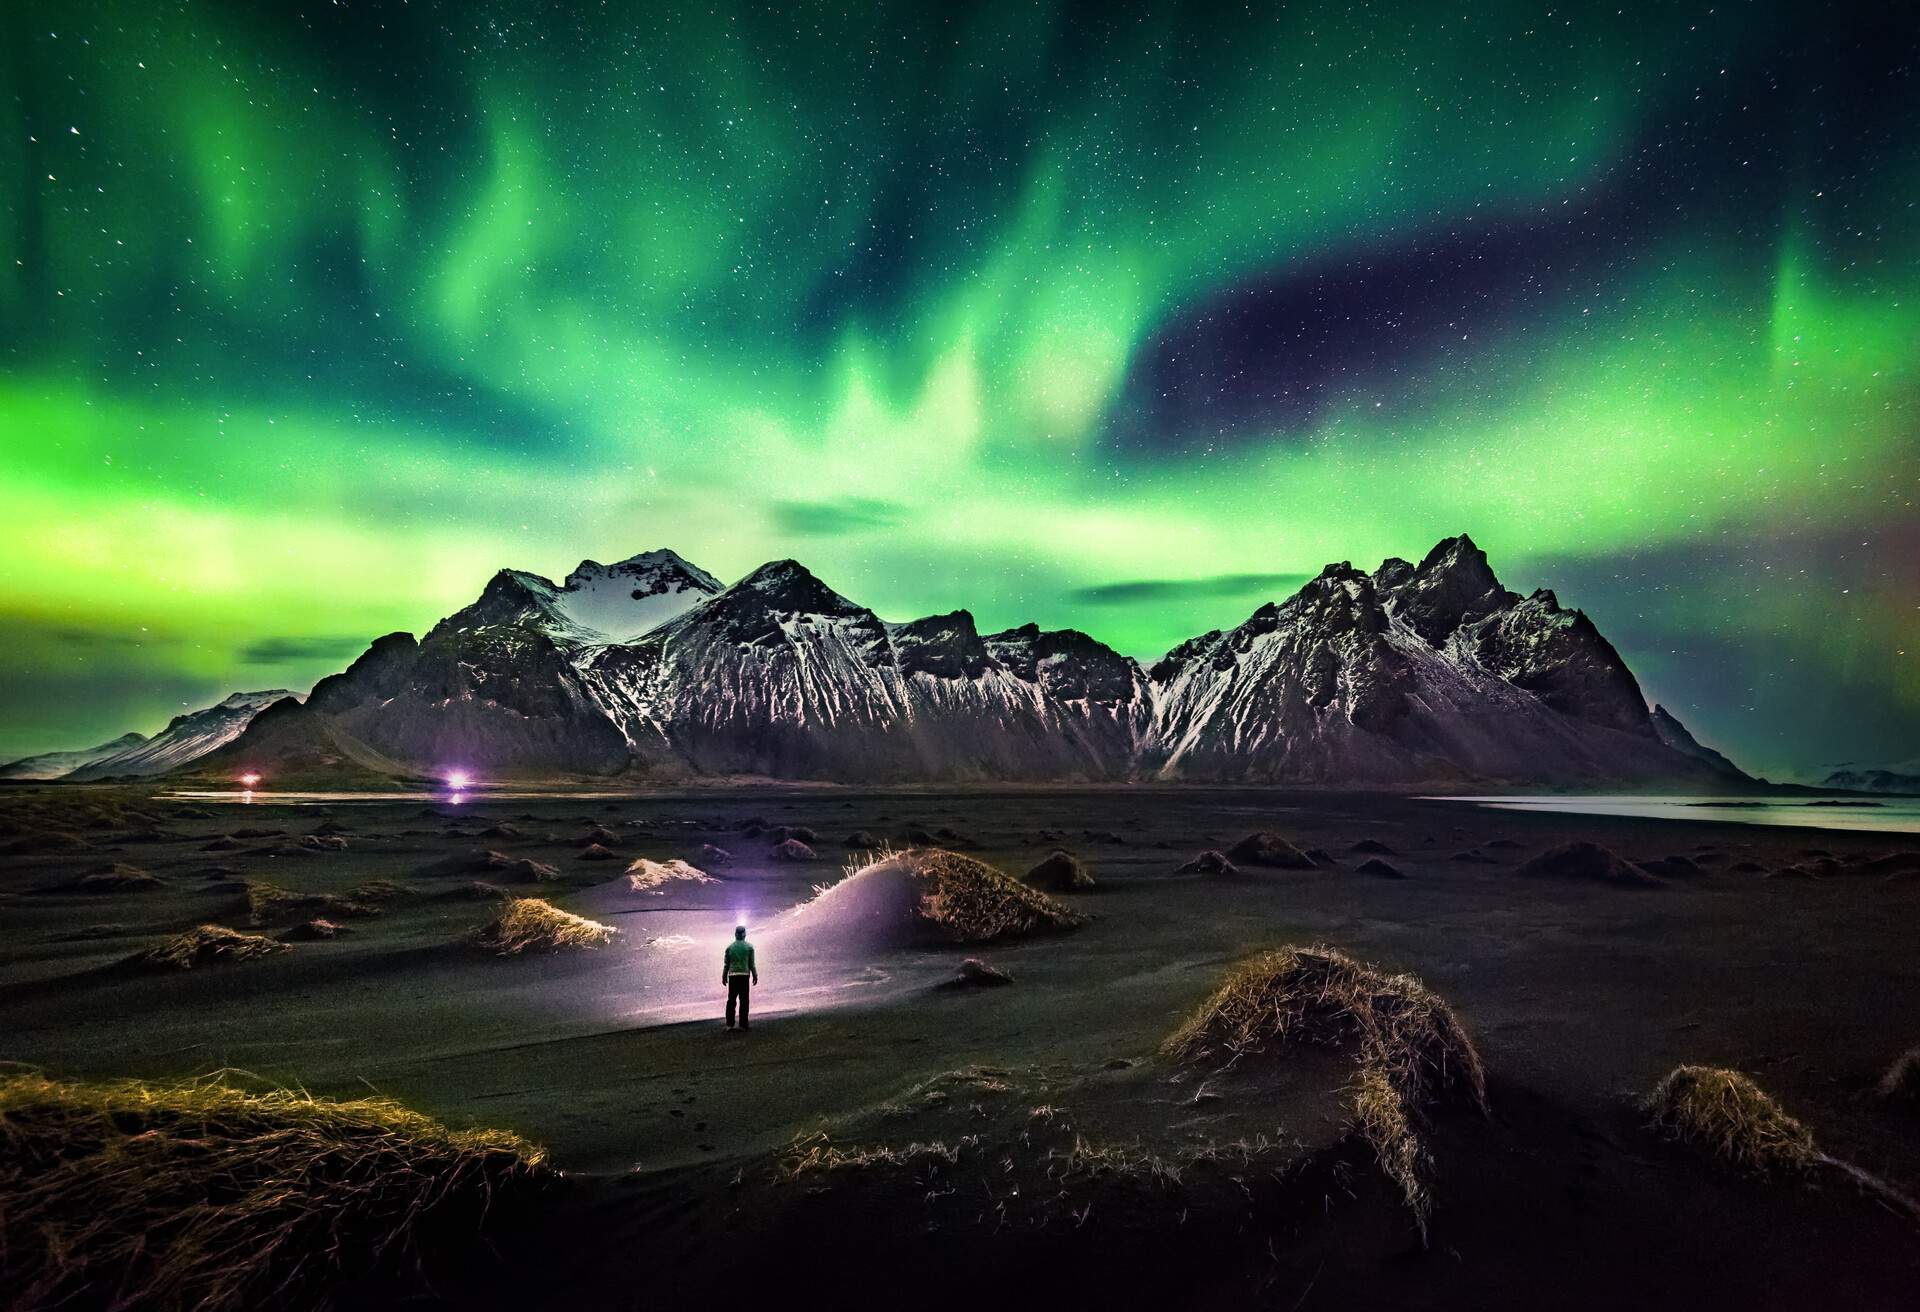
pixel 1123 319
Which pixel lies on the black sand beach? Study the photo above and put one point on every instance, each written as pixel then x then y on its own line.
pixel 881 1138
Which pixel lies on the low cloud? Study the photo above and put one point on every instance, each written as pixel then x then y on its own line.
pixel 826 519
pixel 1213 585
pixel 289 651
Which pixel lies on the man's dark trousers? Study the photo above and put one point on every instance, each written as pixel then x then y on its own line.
pixel 737 992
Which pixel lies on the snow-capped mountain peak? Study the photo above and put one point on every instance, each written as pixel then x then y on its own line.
pixel 622 601
pixel 598 604
pixel 791 588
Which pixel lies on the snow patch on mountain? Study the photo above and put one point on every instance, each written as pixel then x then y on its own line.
pixel 52 765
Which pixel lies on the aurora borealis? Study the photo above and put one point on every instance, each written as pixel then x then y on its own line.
pixel 1113 318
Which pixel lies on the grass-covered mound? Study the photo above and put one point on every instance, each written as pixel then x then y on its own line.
pixel 929 895
pixel 1267 848
pixel 270 904
pixel 119 877
pixel 517 870
pixel 205 1195
pixel 1410 1048
pixel 204 945
pixel 527 924
pixel 1062 872
pixel 1731 1118
pixel 645 876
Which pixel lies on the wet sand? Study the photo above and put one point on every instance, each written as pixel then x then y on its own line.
pixel 1581 995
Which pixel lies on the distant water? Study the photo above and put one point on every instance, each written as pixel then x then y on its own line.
pixel 1900 815
pixel 442 796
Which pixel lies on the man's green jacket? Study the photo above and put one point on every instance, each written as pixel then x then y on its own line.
pixel 739 958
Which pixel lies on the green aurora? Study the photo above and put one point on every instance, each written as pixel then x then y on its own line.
pixel 1119 320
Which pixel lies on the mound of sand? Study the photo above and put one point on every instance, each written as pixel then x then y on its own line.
pixel 270 904
pixel 1586 861
pixel 1267 848
pixel 518 869
pixel 1672 867
pixel 1410 1049
pixel 1208 863
pixel 860 838
pixel 1062 872
pixel 600 835
pixel 45 843
pixel 204 945
pixel 1373 865
pixel 781 833
pixel 314 931
pixel 119 877
pixel 1371 847
pixel 527 924
pixel 207 1196
pixel 595 852
pixel 475 890
pixel 977 974
pixel 1728 1116
pixel 645 876
pixel 714 856
pixel 926 896
pixel 378 891
pixel 792 849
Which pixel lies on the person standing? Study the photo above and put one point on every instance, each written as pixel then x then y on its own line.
pixel 738 972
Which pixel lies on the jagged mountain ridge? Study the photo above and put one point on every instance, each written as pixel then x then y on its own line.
pixel 1413 674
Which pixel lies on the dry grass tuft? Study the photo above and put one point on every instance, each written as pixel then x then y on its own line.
pixel 1729 1117
pixel 376 891
pixel 1733 1119
pixel 817 1153
pixel 205 1195
pixel 270 904
pixel 1411 1048
pixel 1901 1084
pixel 527 924
pixel 119 877
pixel 204 945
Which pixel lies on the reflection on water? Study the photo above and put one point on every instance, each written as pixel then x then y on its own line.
pixel 452 798
pixel 1886 815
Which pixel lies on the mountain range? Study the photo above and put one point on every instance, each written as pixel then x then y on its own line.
pixel 186 739
pixel 1411 675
